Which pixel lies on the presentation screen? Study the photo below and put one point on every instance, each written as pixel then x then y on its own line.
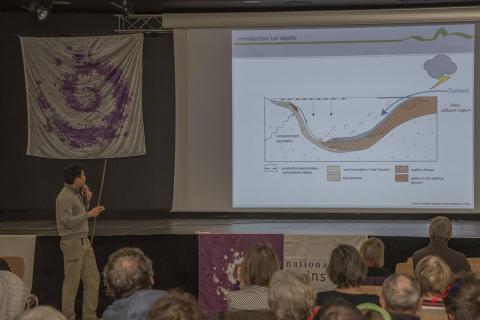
pixel 364 117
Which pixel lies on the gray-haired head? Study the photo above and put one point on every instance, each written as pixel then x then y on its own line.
pixel 127 271
pixel 291 296
pixel 401 293
pixel 440 229
pixel 41 313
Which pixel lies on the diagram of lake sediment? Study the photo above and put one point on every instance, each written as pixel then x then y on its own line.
pixel 351 129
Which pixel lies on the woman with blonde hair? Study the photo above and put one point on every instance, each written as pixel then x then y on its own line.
pixel 256 270
pixel 373 254
pixel 434 276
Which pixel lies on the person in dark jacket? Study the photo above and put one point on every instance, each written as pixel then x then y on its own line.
pixel 440 231
pixel 128 277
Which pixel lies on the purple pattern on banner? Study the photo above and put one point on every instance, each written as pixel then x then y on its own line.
pixel 219 257
pixel 81 87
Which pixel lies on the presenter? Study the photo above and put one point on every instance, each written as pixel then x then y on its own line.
pixel 72 212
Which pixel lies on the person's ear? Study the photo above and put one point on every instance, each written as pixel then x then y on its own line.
pixel 419 305
pixel 382 303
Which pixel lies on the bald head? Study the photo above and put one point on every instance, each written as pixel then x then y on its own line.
pixel 401 293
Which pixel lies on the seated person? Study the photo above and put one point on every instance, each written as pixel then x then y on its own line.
pixel 42 313
pixel 291 296
pixel 462 298
pixel 371 311
pixel 373 251
pixel 337 308
pixel 128 277
pixel 434 276
pixel 347 270
pixel 13 295
pixel 4 265
pixel 401 297
pixel 176 305
pixel 257 268
pixel 440 231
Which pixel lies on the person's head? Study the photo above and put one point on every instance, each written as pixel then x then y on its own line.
pixel 371 311
pixel 372 252
pixel 176 305
pixel 462 298
pixel 433 274
pixel 41 313
pixel 291 296
pixel 337 308
pixel 440 229
pixel 259 264
pixel 4 266
pixel 401 293
pixel 127 271
pixel 346 268
pixel 74 175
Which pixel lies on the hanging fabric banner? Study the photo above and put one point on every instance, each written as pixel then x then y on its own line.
pixel 84 96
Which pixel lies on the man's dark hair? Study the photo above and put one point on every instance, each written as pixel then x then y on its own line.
pixel 346 268
pixel 177 305
pixel 337 308
pixel 462 299
pixel 72 172
pixel 4 265
pixel 127 271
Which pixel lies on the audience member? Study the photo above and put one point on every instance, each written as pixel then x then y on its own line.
pixel 257 268
pixel 176 305
pixel 128 277
pixel 440 231
pixel 291 295
pixel 4 265
pixel 42 313
pixel 401 297
pixel 337 308
pixel 434 276
pixel 371 311
pixel 347 270
pixel 462 298
pixel 373 251
pixel 13 295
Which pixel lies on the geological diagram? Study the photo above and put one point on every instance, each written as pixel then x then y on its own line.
pixel 382 128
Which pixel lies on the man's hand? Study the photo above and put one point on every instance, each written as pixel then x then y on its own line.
pixel 87 193
pixel 95 211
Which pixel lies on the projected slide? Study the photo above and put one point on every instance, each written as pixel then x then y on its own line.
pixel 353 117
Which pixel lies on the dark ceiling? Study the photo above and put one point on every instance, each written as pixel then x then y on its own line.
pixel 164 6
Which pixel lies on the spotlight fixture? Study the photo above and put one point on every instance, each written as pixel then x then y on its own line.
pixel 40 12
pixel 125 6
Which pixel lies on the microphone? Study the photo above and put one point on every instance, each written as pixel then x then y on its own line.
pixel 86 201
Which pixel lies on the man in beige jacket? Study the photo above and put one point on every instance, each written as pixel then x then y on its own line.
pixel 78 257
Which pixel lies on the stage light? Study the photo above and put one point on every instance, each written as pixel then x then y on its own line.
pixel 40 12
pixel 125 6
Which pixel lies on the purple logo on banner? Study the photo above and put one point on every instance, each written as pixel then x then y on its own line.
pixel 219 257
pixel 80 87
